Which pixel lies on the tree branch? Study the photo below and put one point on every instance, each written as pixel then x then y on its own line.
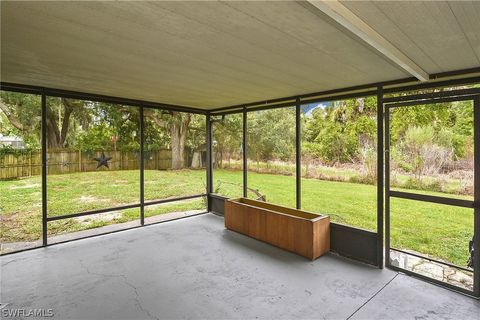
pixel 154 116
pixel 10 116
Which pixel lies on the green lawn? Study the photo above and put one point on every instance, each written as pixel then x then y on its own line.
pixel 440 231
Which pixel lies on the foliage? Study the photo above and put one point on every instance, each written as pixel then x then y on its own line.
pixel 452 123
pixel 333 134
pixel 97 138
pixel 368 157
pixel 181 132
pixel 20 116
pixel 93 126
pixel 425 140
pixel 271 135
pixel 9 150
pixel 195 139
pixel 422 151
pixel 227 137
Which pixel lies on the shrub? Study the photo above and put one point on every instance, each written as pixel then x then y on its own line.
pixel 368 158
pixel 434 157
pixel 363 179
pixel 9 150
pixel 435 185
pixel 422 152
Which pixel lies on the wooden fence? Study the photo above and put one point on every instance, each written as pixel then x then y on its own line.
pixel 70 161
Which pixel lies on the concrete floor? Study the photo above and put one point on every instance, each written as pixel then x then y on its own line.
pixel 194 268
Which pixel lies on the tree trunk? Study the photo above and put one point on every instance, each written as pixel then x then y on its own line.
pixel 56 137
pixel 179 135
pixel 53 134
pixel 177 149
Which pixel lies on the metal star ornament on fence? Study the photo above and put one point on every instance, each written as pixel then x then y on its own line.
pixel 103 160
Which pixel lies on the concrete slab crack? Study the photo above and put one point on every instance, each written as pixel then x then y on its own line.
pixel 369 299
pixel 13 260
pixel 125 280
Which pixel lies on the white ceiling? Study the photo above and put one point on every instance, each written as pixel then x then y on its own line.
pixel 440 36
pixel 215 54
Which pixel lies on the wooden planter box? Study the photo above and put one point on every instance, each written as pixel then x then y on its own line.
pixel 301 232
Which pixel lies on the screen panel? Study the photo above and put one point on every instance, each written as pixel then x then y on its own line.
pixel 227 155
pixel 93 159
pixel 20 171
pixel 175 159
pixel 339 161
pixel 271 155
pixel 435 231
pixel 431 149
pixel 175 210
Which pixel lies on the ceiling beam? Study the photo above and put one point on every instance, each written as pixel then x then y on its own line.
pixel 346 18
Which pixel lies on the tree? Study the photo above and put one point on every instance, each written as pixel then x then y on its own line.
pixel 59 112
pixel 337 132
pixel 177 130
pixel 120 121
pixel 227 137
pixel 24 110
pixel 271 135
pixel 21 117
pixel 179 126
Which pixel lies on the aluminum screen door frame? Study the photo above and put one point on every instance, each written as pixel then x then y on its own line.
pixel 429 99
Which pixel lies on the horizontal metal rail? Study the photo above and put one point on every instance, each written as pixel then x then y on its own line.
pixel 96 97
pixel 217 196
pixel 433 281
pixel 91 212
pixel 432 259
pixel 322 96
pixel 429 101
pixel 154 202
pixel 224 113
pixel 454 73
pixel 393 86
pixel 466 95
pixel 320 93
pixel 120 230
pixel 433 84
pixel 302 102
pixel 129 206
pixel 432 199
pixel 354 229
pixel 433 95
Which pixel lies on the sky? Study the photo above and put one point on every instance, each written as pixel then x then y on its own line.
pixel 307 109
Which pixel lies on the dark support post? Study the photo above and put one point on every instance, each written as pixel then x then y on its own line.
pixel 476 199
pixel 209 160
pixel 380 172
pixel 142 167
pixel 244 151
pixel 387 186
pixel 298 158
pixel 44 169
